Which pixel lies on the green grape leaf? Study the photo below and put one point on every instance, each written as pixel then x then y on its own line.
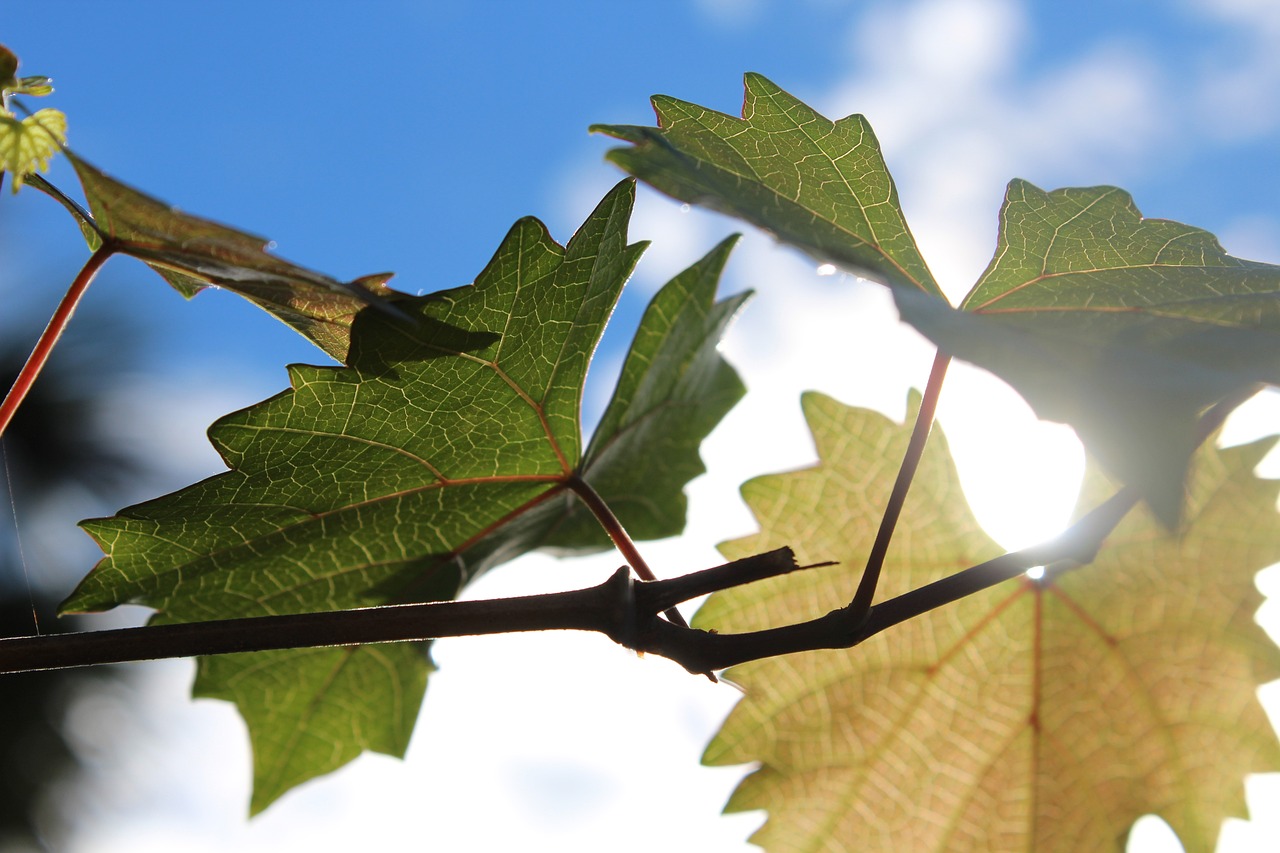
pixel 1122 327
pixel 1033 715
pixel 814 183
pixel 674 388
pixel 193 253
pixel 444 448
pixel 296 703
pixel 27 145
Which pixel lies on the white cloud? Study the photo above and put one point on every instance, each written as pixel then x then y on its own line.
pixel 1254 236
pixel 735 14
pixel 957 45
pixel 1236 97
pixel 957 117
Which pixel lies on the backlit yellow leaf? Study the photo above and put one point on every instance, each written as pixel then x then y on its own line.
pixel 1041 716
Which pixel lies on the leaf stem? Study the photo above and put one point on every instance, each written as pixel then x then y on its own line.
pixel 57 324
pixel 866 591
pixel 621 540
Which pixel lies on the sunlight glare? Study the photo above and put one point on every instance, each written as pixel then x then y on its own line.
pixel 1020 475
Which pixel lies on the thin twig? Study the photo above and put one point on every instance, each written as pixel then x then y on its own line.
pixel 866 591
pixel 57 324
pixel 842 629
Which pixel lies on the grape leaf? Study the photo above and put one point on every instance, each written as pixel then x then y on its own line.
pixel 26 145
pixel 11 84
pixel 1034 715
pixel 673 390
pixel 443 449
pixel 817 184
pixel 192 253
pixel 1123 327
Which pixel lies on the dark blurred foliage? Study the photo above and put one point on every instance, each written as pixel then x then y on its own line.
pixel 56 446
pixel 52 443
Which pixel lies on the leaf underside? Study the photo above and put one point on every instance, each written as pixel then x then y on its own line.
pixel 301 721
pixel 1124 328
pixel 442 450
pixel 1034 716
pixel 674 388
pixel 193 253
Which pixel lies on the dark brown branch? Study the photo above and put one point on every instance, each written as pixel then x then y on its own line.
pixel 615 608
pixel 623 609
pixel 592 609
pixel 842 629
pixel 659 596
pixel 866 591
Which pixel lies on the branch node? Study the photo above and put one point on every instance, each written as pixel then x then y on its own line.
pixel 622 625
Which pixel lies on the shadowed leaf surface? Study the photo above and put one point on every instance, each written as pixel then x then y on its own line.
pixel 1032 716
pixel 193 253
pixel 1123 327
pixel 441 451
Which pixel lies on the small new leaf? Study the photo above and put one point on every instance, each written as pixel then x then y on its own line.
pixel 27 145
pixel 36 86
pixel 1031 716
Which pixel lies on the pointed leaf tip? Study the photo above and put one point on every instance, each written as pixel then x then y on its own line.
pixel 674 389
pixel 775 167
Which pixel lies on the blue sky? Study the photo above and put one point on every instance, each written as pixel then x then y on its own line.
pixel 409 136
